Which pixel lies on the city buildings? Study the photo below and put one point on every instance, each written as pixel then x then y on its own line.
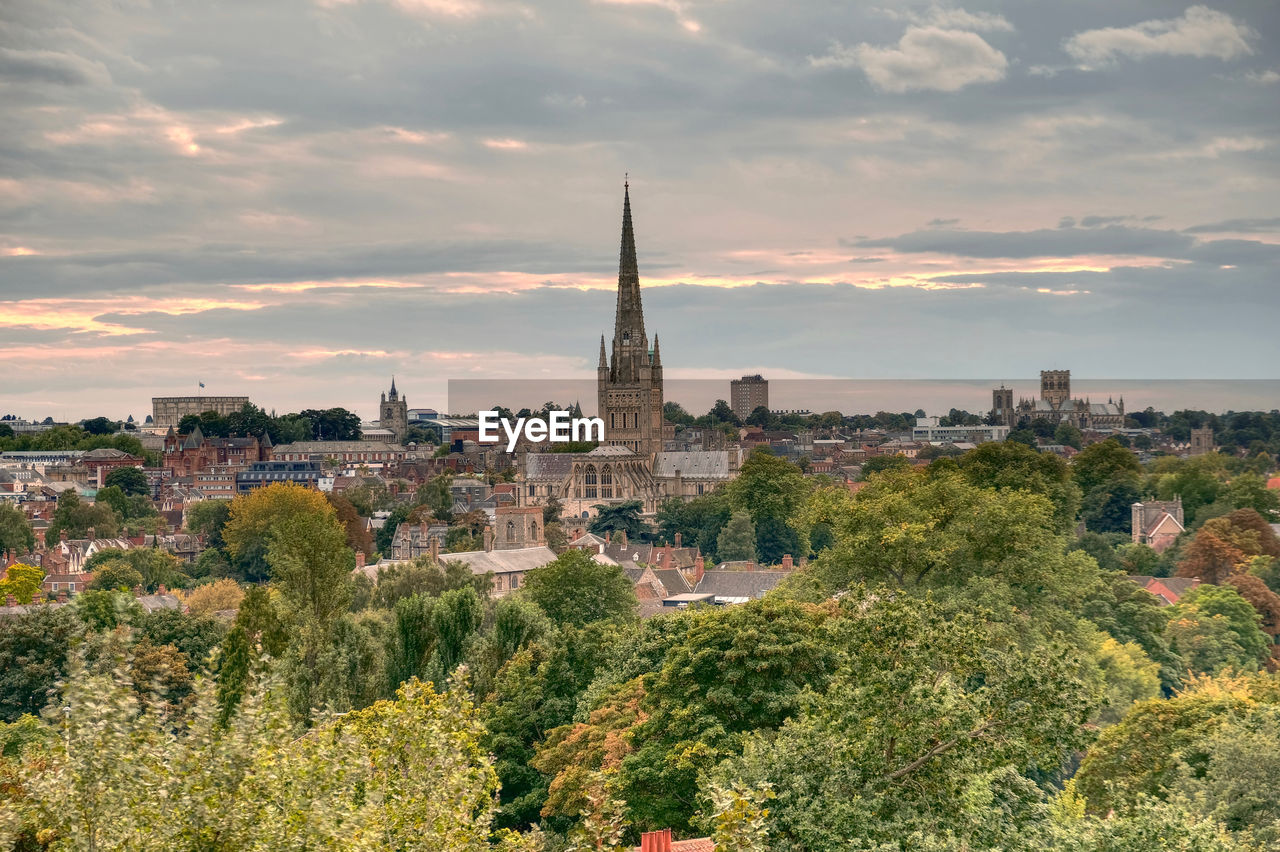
pixel 1056 406
pixel 168 411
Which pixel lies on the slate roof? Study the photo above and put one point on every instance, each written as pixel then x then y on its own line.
pixel 739 584
pixel 483 562
pixel 672 580
pixel 695 464
pixel 544 466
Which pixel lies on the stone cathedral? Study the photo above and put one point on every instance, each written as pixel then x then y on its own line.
pixel 632 463
pixel 629 382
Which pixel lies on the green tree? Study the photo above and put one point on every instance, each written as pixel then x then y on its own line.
pixel 33 658
pixel 253 517
pixel 207 518
pixel 1108 507
pixel 76 517
pixel 15 533
pixel 881 464
pixel 1068 435
pixel 927 722
pixel 1010 466
pixel 771 490
pixel 131 480
pixel 116 575
pixel 1214 628
pixel 737 541
pixel 1103 462
pixel 577 590
pixel 618 518
pixel 1249 491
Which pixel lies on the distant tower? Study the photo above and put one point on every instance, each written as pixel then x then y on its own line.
pixel 630 382
pixel 747 394
pixel 1055 387
pixel 393 413
pixel 1202 441
pixel 1002 406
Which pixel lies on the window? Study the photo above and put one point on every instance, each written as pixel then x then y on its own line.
pixel 533 531
pixel 590 480
pixel 606 482
pixel 511 531
pixel 515 581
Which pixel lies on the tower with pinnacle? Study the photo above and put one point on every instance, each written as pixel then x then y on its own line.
pixel 629 375
pixel 393 413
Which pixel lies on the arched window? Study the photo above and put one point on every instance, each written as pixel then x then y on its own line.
pixel 511 531
pixel 590 482
pixel 606 482
pixel 533 531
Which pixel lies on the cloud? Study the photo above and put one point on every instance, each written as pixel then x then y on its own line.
pixel 1238 226
pixel 1200 32
pixel 47 66
pixel 925 58
pixel 1263 78
pixel 953 19
pixel 1064 241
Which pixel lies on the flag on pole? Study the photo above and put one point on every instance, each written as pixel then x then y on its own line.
pixel 202 384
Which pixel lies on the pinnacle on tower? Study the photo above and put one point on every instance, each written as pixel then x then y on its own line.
pixel 604 361
pixel 393 387
pixel 657 354
pixel 629 322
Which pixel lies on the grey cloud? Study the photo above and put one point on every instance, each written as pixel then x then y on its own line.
pixel 1238 226
pixel 1046 242
pixel 46 66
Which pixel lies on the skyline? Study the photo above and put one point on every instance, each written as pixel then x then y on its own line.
pixel 296 202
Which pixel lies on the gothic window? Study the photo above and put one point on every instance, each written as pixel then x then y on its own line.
pixel 533 531
pixel 591 481
pixel 511 531
pixel 606 483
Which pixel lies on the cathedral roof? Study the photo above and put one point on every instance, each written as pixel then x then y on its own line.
pixel 610 451
pixel 695 464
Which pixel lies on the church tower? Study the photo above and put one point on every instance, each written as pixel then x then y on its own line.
pixel 629 377
pixel 393 413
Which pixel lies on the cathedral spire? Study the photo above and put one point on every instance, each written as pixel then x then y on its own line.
pixel 393 387
pixel 657 354
pixel 629 322
pixel 604 361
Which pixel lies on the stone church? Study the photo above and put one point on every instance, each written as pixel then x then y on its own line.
pixel 1055 405
pixel 393 414
pixel 632 463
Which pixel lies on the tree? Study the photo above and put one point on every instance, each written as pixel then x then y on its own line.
pixel 76 517
pixel 116 575
pixel 1068 435
pixel 1103 462
pixel 355 526
pixel 1023 436
pixel 1108 507
pixel 311 565
pixel 1146 752
pixel 254 516
pixel 207 518
pixel 21 581
pixel 1214 629
pixel 131 480
pixel 1130 676
pixel 99 426
pixel 771 490
pixel 195 635
pixel 15 533
pixel 722 413
pixel 222 595
pixel 1010 466
pixel 33 658
pixel 576 590
pixel 928 715
pixel 737 670
pixel 880 464
pixel 737 541
pixel 618 518
pixel 153 566
pixel 1249 491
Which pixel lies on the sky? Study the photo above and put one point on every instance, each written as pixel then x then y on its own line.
pixel 295 200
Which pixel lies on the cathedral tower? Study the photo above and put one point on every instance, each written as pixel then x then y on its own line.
pixel 629 379
pixel 393 413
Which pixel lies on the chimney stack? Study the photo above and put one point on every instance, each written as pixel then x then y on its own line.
pixel 10 600
pixel 359 558
pixel 433 547
pixel 488 539
pixel 62 596
pixel 93 533
pixel 63 534
pixel 137 591
pixel 787 564
pixel 162 590
pixel 679 538
pixel 623 535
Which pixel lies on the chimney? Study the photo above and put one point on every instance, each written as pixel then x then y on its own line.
pixel 93 533
pixel 62 596
pixel 699 568
pixel 433 547
pixel 137 591
pixel 623 535
pixel 679 538
pixel 162 590
pixel 10 600
pixel 608 537
pixel 488 539
pixel 63 534
pixel 359 558
pixel 787 564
